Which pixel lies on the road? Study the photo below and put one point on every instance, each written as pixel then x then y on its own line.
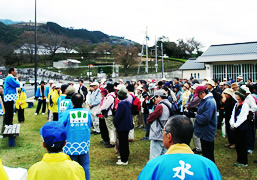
pixel 29 90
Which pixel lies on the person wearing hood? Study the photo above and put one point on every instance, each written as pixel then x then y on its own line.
pixel 206 121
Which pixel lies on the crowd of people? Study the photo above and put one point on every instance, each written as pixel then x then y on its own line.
pixel 170 111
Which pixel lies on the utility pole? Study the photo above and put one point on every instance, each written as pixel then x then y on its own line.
pixel 35 46
pixel 162 61
pixel 146 49
pixel 156 58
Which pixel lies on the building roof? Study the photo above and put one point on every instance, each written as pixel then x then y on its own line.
pixel 191 64
pixel 230 52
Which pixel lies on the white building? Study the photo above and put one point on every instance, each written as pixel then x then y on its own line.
pixel 191 68
pixel 69 63
pixel 230 60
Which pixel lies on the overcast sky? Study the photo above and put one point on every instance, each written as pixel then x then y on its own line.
pixel 209 21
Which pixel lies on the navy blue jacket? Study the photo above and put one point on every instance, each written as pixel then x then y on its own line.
pixel 206 119
pixel 123 117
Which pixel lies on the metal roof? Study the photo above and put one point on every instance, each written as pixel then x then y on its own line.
pixel 230 52
pixel 191 64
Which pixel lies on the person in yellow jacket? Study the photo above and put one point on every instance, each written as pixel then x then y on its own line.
pixel 55 164
pixel 52 104
pixel 186 94
pixel 3 174
pixel 21 104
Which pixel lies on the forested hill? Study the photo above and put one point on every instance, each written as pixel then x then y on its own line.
pixel 10 33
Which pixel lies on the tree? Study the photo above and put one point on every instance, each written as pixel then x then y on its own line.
pixel 196 45
pixel 126 56
pixel 102 48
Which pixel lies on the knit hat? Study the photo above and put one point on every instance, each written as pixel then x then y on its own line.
pixel 228 91
pixel 123 92
pixel 104 92
pixel 199 89
pixel 70 90
pixel 153 80
pixel 241 93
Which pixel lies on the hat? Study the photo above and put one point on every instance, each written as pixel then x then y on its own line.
pixel 120 80
pixel 153 80
pixel 233 85
pixel 42 82
pixel 139 88
pixel 160 93
pixel 164 79
pixel 228 91
pixel 222 84
pixel 123 92
pixel 225 79
pixel 70 90
pixel 241 92
pixel 199 89
pixel 133 80
pixel 210 82
pixel 195 86
pixel 104 92
pixel 94 84
pixel 120 86
pixel 53 85
pixel 144 94
pixel 51 81
pixel 227 83
pixel 110 79
pixel 246 89
pixel 58 86
pixel 149 80
pixel 53 132
pixel 186 85
pixel 110 87
pixel 240 77
pixel 103 80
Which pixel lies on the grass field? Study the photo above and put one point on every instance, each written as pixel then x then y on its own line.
pixel 29 150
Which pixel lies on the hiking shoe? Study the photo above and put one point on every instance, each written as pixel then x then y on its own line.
pixel 233 146
pixel 241 165
pixel 250 151
pixel 197 151
pixel 35 114
pixel 109 145
pixel 227 145
pixel 43 113
pixel 255 161
pixel 121 163
pixel 145 138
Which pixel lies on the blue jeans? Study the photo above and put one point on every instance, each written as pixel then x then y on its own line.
pixel 83 160
pixel 156 149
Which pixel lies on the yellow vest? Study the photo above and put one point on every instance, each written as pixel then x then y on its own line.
pixel 21 98
pixel 3 174
pixel 57 166
pixel 54 96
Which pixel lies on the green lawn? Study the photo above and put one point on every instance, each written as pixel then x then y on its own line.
pixel 29 150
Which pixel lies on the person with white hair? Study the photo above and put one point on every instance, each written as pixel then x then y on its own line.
pixel 94 102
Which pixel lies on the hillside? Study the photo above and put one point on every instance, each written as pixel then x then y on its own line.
pixel 10 31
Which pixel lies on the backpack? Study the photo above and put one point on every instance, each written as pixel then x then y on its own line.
pixel 171 113
pixel 135 106
pixel 115 107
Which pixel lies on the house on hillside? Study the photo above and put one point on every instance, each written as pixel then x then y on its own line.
pixel 69 63
pixel 191 68
pixel 230 60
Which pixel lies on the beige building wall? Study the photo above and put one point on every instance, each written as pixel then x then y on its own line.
pixel 187 73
